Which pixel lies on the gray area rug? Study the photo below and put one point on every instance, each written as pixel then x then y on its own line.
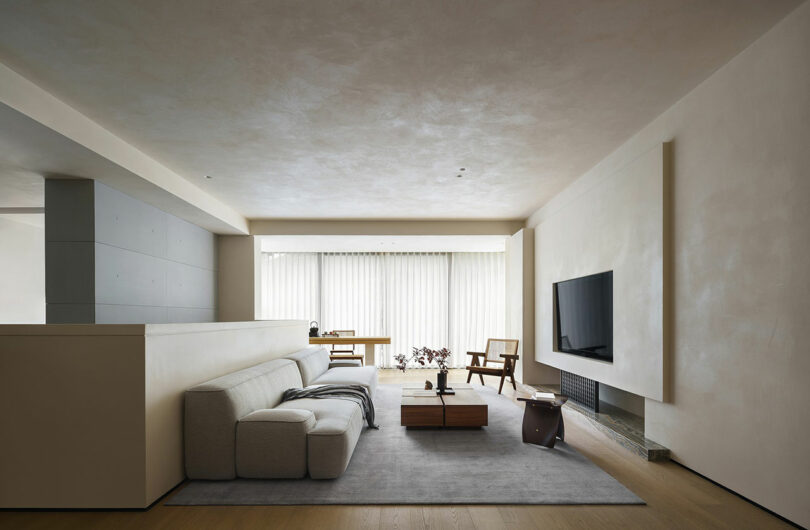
pixel 398 466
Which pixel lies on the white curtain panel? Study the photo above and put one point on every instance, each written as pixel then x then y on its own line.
pixel 290 286
pixel 416 289
pixel 477 302
pixel 352 293
pixel 453 300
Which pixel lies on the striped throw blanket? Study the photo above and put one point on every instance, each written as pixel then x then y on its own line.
pixel 356 393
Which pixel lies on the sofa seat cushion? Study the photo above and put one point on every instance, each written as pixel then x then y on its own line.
pixel 331 442
pixel 362 375
pixel 339 410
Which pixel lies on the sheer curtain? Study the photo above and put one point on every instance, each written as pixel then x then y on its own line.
pixel 477 302
pixel 352 292
pixel 418 299
pixel 416 290
pixel 290 286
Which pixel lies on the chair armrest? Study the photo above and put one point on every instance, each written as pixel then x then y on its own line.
pixel 477 353
pixel 512 356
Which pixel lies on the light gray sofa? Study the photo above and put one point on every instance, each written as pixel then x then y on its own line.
pixel 236 425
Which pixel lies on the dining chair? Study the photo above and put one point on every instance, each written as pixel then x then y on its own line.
pixel 345 351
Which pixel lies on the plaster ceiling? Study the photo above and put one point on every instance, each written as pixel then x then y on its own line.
pixel 30 151
pixel 366 109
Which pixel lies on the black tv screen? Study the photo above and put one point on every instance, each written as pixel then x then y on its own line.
pixel 584 316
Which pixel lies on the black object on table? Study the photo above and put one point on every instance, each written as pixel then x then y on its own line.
pixel 543 421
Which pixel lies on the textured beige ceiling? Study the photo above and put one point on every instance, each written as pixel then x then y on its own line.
pixel 366 109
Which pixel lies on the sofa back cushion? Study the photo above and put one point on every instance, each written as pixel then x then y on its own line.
pixel 213 408
pixel 312 362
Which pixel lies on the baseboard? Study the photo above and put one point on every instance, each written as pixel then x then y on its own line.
pixel 743 497
pixel 157 501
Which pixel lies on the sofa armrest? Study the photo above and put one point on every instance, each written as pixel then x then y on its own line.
pixel 272 443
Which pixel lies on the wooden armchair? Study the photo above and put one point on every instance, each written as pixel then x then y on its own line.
pixel 499 360
pixel 347 352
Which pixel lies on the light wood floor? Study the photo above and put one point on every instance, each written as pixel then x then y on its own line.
pixel 676 498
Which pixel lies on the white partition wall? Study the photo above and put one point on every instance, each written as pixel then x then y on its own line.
pixel 92 414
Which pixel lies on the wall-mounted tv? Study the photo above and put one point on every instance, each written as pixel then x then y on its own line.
pixel 583 314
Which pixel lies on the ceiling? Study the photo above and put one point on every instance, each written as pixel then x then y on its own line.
pixel 367 109
pixel 30 151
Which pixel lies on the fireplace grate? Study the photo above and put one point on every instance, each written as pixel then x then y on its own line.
pixel 580 389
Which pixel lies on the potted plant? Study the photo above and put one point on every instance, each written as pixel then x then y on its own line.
pixel 425 356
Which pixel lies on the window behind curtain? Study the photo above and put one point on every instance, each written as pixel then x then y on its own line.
pixel 353 293
pixel 290 286
pixel 416 306
pixel 477 302
pixel 418 299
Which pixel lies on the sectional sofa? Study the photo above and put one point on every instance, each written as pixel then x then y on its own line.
pixel 237 426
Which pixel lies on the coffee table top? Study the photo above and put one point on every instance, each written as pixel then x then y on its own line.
pixel 465 395
pixel 411 397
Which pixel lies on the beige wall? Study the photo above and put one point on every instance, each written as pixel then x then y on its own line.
pixel 238 278
pixel 72 416
pixel 520 308
pixel 92 414
pixel 22 271
pixel 384 227
pixel 601 223
pixel 740 300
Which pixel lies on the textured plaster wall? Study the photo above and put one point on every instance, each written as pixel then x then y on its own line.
pixel 611 222
pixel 739 369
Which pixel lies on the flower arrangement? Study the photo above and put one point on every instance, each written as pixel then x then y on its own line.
pixel 424 356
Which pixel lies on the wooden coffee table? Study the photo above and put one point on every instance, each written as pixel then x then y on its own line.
pixel 465 408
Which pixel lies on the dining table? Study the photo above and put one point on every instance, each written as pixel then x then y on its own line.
pixel 368 342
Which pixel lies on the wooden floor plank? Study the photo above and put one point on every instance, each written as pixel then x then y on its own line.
pixel 676 498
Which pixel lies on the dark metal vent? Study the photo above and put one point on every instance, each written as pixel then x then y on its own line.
pixel 580 389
